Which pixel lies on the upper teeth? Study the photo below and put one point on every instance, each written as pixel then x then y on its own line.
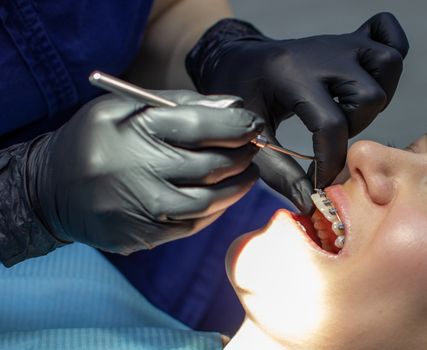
pixel 338 226
pixel 325 206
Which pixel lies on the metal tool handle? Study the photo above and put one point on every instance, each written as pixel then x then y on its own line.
pixel 128 90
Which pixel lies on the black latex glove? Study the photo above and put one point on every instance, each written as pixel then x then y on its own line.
pixel 121 177
pixel 278 78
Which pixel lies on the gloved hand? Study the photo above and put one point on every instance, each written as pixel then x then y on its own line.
pixel 278 78
pixel 123 177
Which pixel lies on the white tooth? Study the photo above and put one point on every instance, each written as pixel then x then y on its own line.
pixel 339 242
pixel 324 205
pixel 320 192
pixel 338 228
pixel 328 212
pixel 317 200
pixel 327 202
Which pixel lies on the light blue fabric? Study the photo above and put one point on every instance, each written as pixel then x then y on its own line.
pixel 74 298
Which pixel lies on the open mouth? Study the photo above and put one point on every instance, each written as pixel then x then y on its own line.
pixel 325 233
pixel 324 227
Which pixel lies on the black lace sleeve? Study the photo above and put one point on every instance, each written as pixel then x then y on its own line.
pixel 22 236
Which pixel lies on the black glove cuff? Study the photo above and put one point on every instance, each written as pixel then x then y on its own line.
pixel 203 54
pixel 22 236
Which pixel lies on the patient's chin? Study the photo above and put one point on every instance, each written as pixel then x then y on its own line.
pixel 234 252
pixel 269 259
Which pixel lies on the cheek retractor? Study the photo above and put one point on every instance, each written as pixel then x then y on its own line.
pixel 325 206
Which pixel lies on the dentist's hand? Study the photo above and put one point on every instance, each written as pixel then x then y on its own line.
pixel 122 177
pixel 337 84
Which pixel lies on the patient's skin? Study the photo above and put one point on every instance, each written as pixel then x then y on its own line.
pixel 373 294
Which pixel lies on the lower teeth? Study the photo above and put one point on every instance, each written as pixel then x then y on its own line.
pixel 339 242
pixel 338 228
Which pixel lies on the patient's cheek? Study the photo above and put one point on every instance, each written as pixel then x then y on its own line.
pixel 401 247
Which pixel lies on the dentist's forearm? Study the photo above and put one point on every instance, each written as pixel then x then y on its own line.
pixel 173 29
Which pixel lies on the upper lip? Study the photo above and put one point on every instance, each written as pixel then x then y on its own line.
pixel 341 203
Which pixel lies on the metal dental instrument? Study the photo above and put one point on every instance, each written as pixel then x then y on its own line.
pixel 128 90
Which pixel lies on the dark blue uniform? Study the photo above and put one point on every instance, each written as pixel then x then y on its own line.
pixel 47 51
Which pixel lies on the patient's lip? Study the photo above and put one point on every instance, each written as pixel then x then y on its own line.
pixel 341 202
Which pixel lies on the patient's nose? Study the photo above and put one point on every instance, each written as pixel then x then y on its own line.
pixel 374 163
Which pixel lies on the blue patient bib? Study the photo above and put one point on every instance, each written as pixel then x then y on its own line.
pixel 74 298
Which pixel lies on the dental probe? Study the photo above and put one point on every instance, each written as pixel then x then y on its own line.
pixel 128 90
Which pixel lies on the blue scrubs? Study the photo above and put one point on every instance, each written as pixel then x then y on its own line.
pixel 48 49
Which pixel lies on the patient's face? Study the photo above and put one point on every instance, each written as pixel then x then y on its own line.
pixel 373 293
